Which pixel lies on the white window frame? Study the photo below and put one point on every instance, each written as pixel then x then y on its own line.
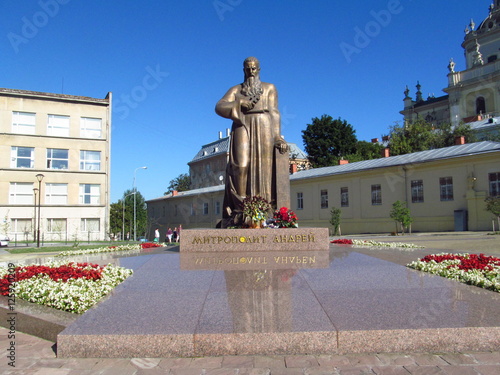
pixel 324 198
pixel 205 208
pixel 417 191
pixel 58 125
pixel 53 226
pixel 217 208
pixel 90 127
pixel 494 184
pixel 344 196
pixel 376 193
pixel 15 158
pixel 90 194
pixel 25 224
pixel 52 161
pixel 87 163
pixel 56 193
pixel 23 122
pixel 21 193
pixel 300 201
pixel 446 189
pixel 89 225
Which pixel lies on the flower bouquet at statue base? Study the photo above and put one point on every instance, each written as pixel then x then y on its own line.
pixel 255 211
pixel 284 218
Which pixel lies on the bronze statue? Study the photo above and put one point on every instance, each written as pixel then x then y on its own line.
pixel 255 135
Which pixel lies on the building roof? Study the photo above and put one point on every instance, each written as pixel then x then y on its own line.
pixel 431 100
pixel 485 123
pixel 47 95
pixel 221 146
pixel 451 152
pixel 413 158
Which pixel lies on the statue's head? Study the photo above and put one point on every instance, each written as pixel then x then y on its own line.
pixel 251 67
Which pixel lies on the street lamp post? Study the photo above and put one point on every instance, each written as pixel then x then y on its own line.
pixel 135 210
pixel 35 191
pixel 123 214
pixel 39 177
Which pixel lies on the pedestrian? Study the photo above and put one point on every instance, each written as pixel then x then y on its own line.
pixel 157 235
pixel 169 235
pixel 179 233
pixel 175 234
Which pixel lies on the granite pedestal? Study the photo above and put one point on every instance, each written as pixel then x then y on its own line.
pixel 346 302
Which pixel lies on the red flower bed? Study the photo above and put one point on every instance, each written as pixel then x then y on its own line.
pixel 343 241
pixel 470 262
pixel 148 245
pixel 63 273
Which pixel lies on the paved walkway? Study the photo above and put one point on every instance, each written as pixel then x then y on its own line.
pixel 36 356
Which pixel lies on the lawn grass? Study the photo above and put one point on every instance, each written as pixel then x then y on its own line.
pixel 59 248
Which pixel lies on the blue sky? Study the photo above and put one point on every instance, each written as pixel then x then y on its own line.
pixel 168 62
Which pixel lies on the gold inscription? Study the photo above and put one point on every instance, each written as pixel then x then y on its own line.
pixel 255 260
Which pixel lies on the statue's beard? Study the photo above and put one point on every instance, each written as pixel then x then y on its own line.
pixel 252 87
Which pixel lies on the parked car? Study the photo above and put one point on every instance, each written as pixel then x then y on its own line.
pixel 4 240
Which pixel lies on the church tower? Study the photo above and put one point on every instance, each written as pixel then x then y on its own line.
pixel 473 92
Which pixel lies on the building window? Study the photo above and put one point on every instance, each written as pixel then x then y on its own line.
pixel 492 58
pixel 89 225
pixel 300 201
pixel 56 225
pixel 90 160
pixel 376 195
pixel 205 208
pixel 57 158
pixel 446 188
pixel 344 197
pixel 22 157
pixel 176 211
pixel 58 125
pixel 193 210
pixel 21 193
pixel 217 208
pixel 21 226
pixel 90 127
pixel 56 193
pixel 163 211
pixel 417 191
pixel 494 179
pixel 324 198
pixel 90 194
pixel 23 123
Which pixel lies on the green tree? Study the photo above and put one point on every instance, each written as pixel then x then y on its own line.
pixel 420 135
pixel 335 220
pixel 327 140
pixel 401 215
pixel 365 151
pixel 115 218
pixel 180 183
pixel 122 214
pixel 493 206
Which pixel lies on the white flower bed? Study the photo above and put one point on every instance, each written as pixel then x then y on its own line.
pixel 74 295
pixel 488 279
pixel 106 249
pixel 385 244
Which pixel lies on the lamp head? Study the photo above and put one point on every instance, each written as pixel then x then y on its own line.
pixel 39 177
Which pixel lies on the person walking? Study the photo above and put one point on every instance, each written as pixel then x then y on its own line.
pixel 169 235
pixel 157 235
pixel 174 234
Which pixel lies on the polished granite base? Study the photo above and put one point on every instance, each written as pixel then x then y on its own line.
pixel 350 303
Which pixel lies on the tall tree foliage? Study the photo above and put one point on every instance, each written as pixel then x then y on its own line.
pixel 421 135
pixel 122 214
pixel 180 183
pixel 326 140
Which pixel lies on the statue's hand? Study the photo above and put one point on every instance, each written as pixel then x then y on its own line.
pixel 281 145
pixel 246 105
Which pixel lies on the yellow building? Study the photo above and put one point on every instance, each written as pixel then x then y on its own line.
pixel 443 188
pixel 55 154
